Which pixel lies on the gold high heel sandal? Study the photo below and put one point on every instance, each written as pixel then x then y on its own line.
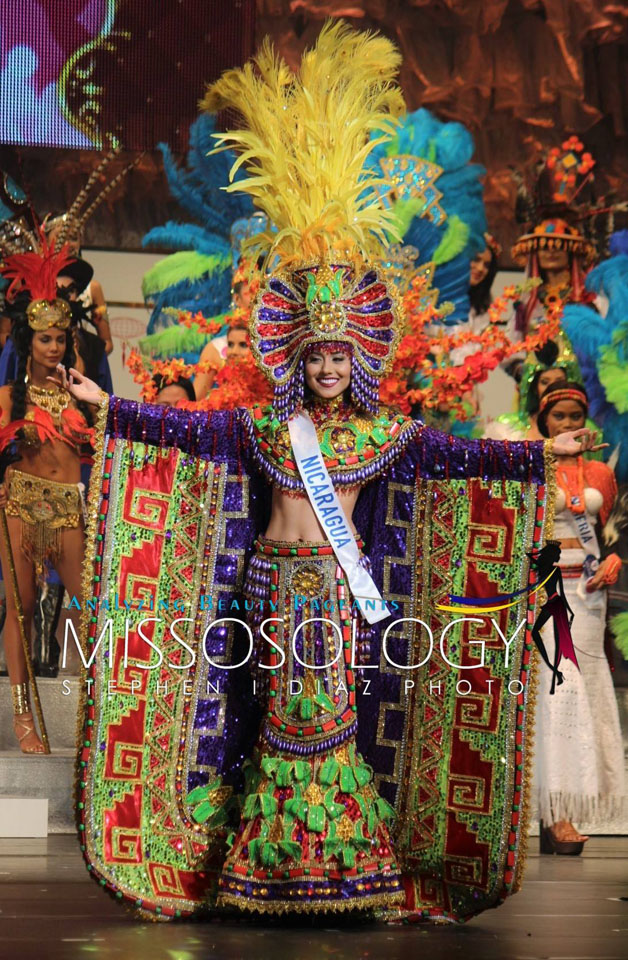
pixel 23 717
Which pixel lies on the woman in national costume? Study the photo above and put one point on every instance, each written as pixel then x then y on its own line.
pixel 579 754
pixel 549 365
pixel 41 492
pixel 322 786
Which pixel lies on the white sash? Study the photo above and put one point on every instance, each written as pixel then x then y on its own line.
pixel 331 516
pixel 586 535
pixel 584 532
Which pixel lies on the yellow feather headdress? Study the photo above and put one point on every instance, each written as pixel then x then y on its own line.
pixel 303 147
pixel 305 140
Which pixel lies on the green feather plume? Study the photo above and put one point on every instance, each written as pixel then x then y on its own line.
pixel 183 265
pixel 455 240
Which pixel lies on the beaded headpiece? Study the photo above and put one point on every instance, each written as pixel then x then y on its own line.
pixel 304 151
pixel 558 196
pixel 36 273
pixel 554 234
pixel 566 393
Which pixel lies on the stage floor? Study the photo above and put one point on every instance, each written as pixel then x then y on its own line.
pixel 568 908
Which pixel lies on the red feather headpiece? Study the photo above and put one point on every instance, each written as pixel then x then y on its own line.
pixel 36 272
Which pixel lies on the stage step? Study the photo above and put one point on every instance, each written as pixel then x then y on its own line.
pixel 37 777
pixel 23 818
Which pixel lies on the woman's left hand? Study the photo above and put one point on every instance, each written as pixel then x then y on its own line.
pixel 576 442
pixel 607 573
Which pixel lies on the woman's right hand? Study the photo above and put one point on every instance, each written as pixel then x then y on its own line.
pixel 80 386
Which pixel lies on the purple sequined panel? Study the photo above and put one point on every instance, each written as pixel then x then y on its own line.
pixel 274 315
pixel 367 280
pixel 439 455
pixel 379 306
pixel 212 435
pixel 278 287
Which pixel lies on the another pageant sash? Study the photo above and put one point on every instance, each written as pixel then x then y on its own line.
pixel 332 518
pixel 586 535
pixel 585 532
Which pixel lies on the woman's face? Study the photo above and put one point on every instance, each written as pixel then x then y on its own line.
pixel 237 344
pixel 553 259
pixel 68 287
pixel 242 296
pixel 479 267
pixel 328 374
pixel 565 415
pixel 48 347
pixel 547 378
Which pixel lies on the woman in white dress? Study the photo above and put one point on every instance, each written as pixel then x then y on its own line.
pixel 579 771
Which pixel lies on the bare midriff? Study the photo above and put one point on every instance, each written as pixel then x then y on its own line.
pixel 51 460
pixel 293 518
pixel 570 543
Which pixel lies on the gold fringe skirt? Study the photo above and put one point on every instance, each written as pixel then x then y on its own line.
pixel 45 507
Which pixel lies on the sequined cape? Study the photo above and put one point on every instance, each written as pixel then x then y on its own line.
pixel 175 503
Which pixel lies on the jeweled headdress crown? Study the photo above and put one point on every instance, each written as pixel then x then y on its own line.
pixel 36 272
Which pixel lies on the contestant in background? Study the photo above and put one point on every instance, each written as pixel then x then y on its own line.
pixel 484 267
pixel 236 342
pixel 42 435
pixel 578 746
pixel 91 294
pixel 545 367
pixel 603 342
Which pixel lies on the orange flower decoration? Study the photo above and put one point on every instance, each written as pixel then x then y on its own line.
pixel 419 354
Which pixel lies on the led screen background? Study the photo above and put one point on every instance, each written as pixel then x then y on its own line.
pixel 91 74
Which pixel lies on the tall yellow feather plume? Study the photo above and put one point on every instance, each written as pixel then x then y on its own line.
pixel 305 140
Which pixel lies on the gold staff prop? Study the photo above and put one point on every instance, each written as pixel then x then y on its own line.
pixel 25 644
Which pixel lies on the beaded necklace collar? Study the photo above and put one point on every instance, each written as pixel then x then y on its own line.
pixel 356 446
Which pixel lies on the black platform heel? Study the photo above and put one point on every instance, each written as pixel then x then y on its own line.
pixel 549 844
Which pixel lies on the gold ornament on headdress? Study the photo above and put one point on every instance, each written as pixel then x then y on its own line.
pixel 43 314
pixel 553 234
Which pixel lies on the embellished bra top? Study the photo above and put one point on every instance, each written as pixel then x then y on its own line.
pixel 598 491
pixel 52 419
pixel 563 526
pixel 356 446
pixel 593 501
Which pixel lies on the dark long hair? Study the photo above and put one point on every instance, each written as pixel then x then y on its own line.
pixel 480 294
pixel 541 420
pixel 22 336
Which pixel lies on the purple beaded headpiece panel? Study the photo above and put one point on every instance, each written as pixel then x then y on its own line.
pixel 324 303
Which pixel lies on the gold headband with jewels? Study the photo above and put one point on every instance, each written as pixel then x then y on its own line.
pixel 43 314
